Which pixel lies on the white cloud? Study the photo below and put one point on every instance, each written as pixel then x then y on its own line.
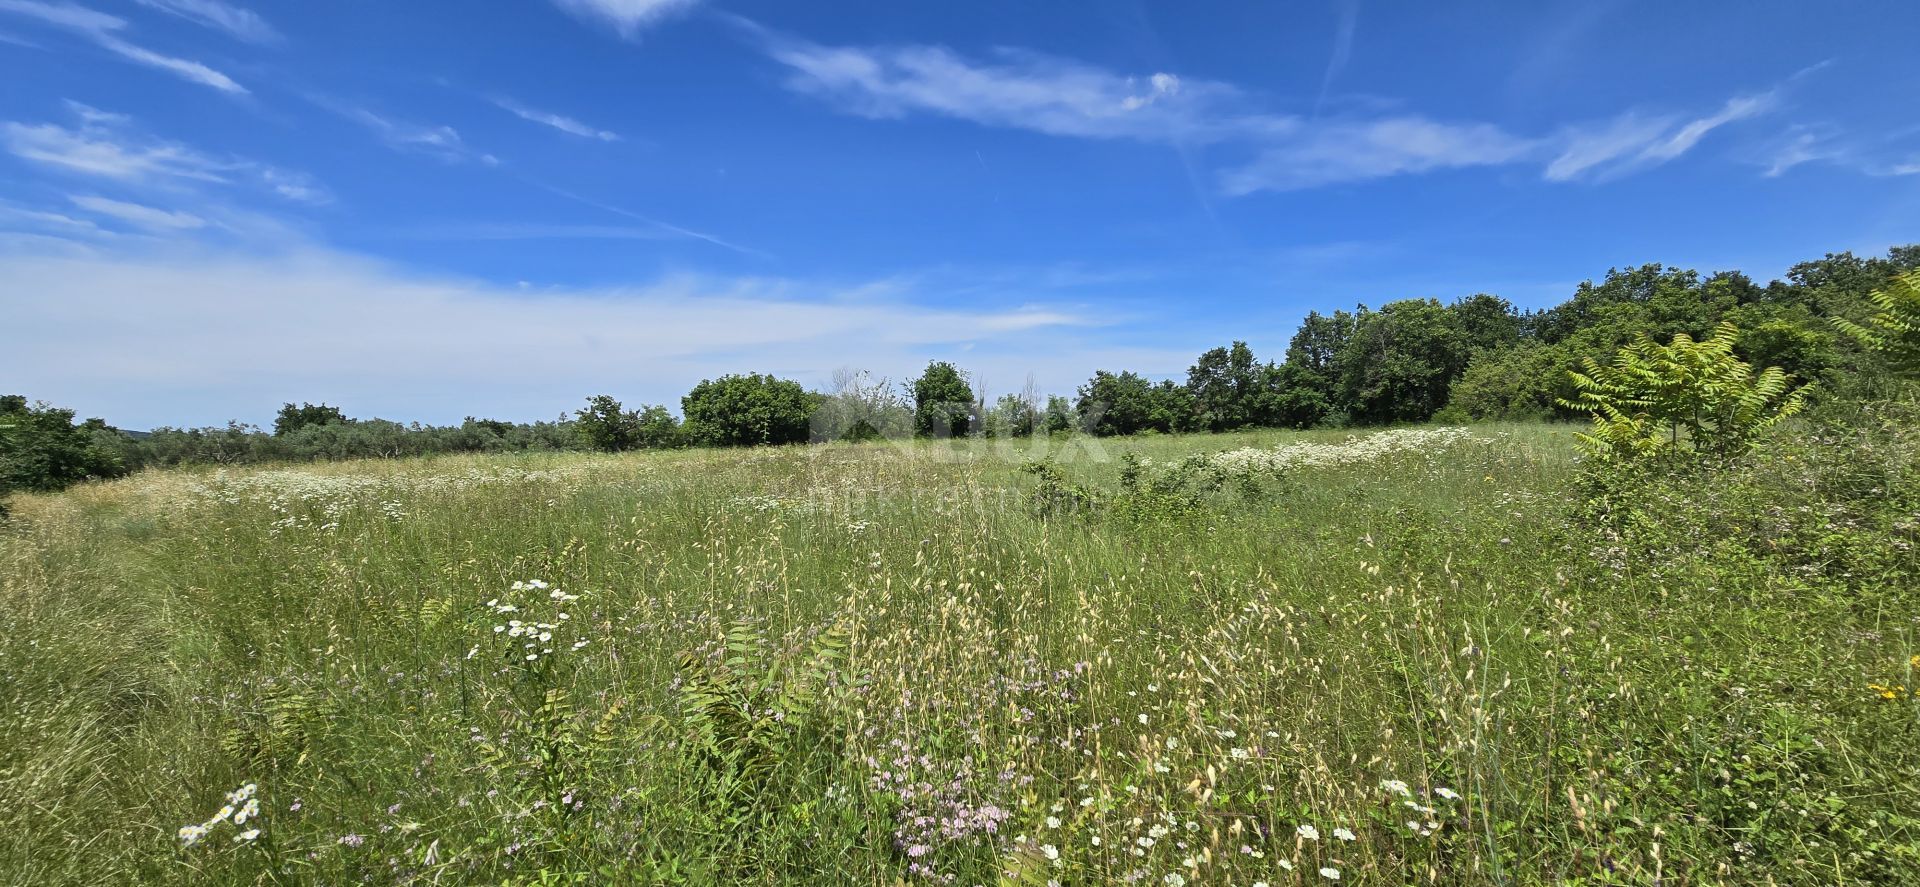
pixel 1348 151
pixel 626 16
pixel 91 151
pixel 1024 90
pixel 138 214
pixel 557 121
pixel 1632 142
pixel 187 69
pixel 1019 90
pixel 153 338
pixel 103 29
pixel 65 15
pixel 439 141
pixel 106 145
pixel 243 24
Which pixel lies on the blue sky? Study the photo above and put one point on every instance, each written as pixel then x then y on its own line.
pixel 423 210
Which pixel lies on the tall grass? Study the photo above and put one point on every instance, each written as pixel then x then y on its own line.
pixel 877 663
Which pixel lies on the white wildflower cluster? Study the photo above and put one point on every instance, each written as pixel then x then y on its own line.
pixel 540 625
pixel 312 500
pixel 242 808
pixel 1427 818
pixel 1358 450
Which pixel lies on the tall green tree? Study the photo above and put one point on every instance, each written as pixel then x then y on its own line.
pixel 43 449
pixel 746 410
pixel 1401 361
pixel 293 418
pixel 1226 385
pixel 943 402
pixel 606 425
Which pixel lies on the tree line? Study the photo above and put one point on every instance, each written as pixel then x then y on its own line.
pixel 1413 360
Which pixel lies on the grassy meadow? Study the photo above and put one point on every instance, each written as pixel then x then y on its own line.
pixel 1397 657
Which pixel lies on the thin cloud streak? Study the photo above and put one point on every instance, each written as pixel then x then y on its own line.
pixel 237 22
pixel 557 121
pixel 1016 89
pixel 103 30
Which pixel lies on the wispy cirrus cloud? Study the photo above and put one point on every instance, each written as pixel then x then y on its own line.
pixel 558 121
pixel 1633 142
pixel 627 17
pixel 237 22
pixel 1018 89
pixel 104 29
pixel 138 214
pixel 1340 151
pixel 434 140
pixel 1801 145
pixel 106 145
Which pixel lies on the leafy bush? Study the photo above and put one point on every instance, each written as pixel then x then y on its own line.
pixel 1894 328
pixel 746 410
pixel 42 449
pixel 1663 400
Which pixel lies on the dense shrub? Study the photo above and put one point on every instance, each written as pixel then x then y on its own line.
pixel 747 410
pixel 42 448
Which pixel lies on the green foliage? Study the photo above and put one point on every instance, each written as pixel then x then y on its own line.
pixel 1524 383
pixel 943 405
pixel 306 415
pixel 1893 329
pixel 607 426
pixel 1686 396
pixel 1126 403
pixel 746 410
pixel 1401 361
pixel 43 449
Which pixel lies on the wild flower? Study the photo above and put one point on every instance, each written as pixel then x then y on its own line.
pixel 1308 832
pixel 1330 873
pixel 1397 787
pixel 532 638
pixel 1447 793
pixel 241 806
pixel 1344 834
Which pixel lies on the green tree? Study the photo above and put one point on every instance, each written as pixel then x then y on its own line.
pixel 1225 385
pixel 1060 417
pixel 1486 322
pixel 943 404
pixel 658 429
pixel 1314 353
pixel 1292 397
pixel 1012 416
pixel 293 418
pixel 605 425
pixel 1522 383
pixel 1401 361
pixel 43 449
pixel 746 410
pixel 1893 327
pixel 1121 403
pixel 1684 397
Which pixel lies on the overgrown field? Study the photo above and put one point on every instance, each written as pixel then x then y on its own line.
pixel 1422 656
